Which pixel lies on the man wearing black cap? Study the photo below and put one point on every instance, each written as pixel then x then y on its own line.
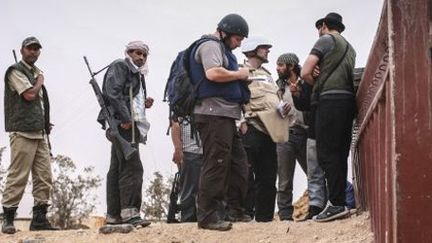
pixel 26 110
pixel 334 98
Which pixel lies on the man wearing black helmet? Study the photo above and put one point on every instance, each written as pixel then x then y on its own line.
pixel 221 93
pixel 334 98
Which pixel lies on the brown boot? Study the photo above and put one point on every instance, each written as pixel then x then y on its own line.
pixel 8 221
pixel 39 221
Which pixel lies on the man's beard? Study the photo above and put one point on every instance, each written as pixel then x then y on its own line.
pixel 284 75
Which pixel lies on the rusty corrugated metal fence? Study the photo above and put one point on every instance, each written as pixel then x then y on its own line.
pixel 392 142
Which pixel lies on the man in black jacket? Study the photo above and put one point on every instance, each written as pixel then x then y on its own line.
pixel 125 93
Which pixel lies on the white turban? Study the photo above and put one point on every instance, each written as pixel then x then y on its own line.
pixel 138 45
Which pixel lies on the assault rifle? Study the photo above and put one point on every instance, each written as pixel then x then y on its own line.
pixel 173 207
pixel 112 133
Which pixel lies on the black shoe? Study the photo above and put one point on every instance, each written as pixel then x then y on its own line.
pixel 138 221
pixel 263 219
pixel 8 221
pixel 238 218
pixel 219 226
pixel 331 212
pixel 313 210
pixel 285 215
pixel 39 220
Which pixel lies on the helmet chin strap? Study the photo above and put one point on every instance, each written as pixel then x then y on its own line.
pixel 225 38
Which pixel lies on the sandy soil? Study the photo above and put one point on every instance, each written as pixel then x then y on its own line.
pixel 352 229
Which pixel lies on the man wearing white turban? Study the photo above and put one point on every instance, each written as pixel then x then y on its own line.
pixel 125 92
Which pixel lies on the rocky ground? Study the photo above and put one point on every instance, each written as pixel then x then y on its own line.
pixel 356 228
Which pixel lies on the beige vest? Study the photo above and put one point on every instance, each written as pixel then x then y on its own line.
pixel 263 105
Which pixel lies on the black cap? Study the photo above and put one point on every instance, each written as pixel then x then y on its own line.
pixel 31 41
pixel 332 18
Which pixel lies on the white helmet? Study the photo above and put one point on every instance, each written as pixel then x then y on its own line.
pixel 252 43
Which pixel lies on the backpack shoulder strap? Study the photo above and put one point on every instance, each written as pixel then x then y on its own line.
pixel 203 39
pixel 193 47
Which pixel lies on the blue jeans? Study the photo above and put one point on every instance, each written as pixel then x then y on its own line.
pixel 189 178
pixel 316 178
pixel 288 153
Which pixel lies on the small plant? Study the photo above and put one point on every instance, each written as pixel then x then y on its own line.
pixel 73 197
pixel 156 200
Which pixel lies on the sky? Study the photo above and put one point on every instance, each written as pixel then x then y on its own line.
pixel 100 29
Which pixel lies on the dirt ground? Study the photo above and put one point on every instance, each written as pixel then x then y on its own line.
pixel 352 229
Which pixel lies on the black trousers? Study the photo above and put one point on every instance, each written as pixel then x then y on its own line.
pixel 334 118
pixel 224 170
pixel 124 179
pixel 261 155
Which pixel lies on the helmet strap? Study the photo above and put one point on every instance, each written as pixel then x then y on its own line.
pixel 225 38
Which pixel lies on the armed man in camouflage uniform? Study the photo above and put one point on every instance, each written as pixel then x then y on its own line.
pixel 28 123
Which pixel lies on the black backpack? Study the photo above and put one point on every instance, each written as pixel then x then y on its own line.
pixel 180 90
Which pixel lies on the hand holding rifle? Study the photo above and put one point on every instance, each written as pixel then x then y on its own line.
pixel 113 134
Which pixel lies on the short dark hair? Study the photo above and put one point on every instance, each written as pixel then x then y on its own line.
pixel 333 26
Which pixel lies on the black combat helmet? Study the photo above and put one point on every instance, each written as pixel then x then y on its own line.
pixel 234 24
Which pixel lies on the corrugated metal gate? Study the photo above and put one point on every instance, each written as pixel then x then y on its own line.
pixel 392 145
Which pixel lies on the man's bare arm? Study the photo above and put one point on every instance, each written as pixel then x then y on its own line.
pixel 178 145
pixel 33 92
pixel 307 72
pixel 222 75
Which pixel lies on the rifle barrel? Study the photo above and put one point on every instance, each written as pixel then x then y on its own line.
pixel 14 55
pixel 88 66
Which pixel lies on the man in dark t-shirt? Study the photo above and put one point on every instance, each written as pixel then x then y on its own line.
pixel 334 98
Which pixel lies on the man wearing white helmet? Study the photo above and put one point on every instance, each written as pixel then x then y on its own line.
pixel 257 131
pixel 256 49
